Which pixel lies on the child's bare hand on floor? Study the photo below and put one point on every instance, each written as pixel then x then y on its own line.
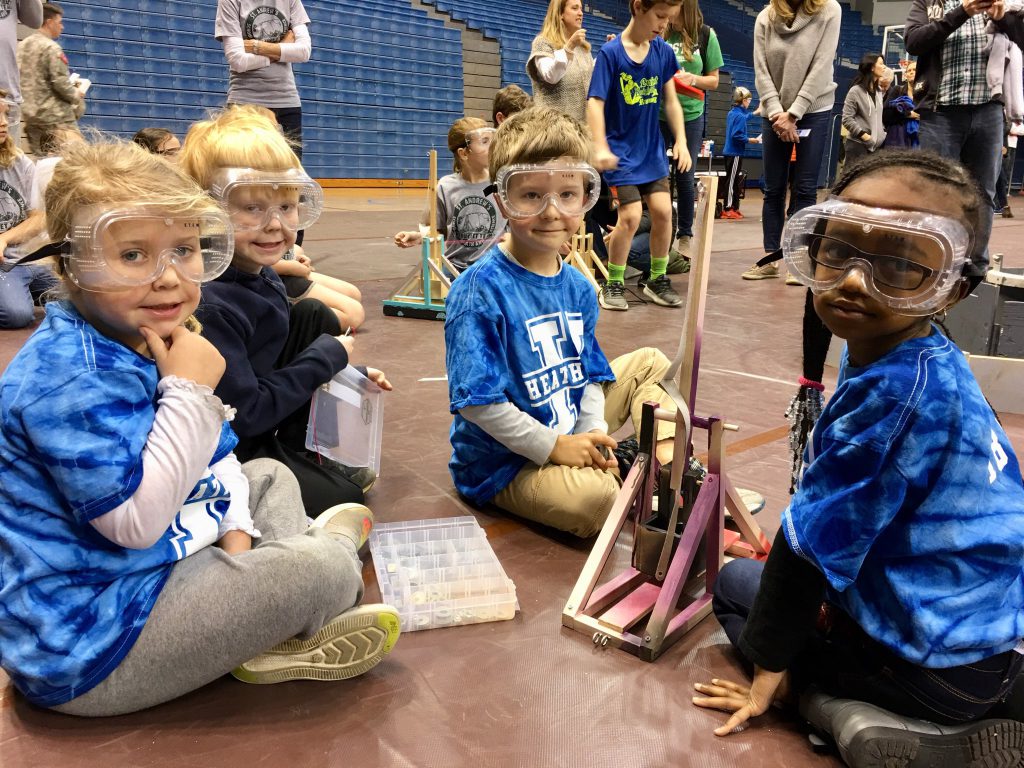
pixel 743 702
pixel 584 451
pixel 186 355
pixel 378 378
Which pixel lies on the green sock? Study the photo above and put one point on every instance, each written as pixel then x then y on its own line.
pixel 658 267
pixel 616 273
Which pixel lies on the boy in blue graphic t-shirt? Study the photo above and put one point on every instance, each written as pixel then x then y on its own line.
pixel 632 79
pixel 533 395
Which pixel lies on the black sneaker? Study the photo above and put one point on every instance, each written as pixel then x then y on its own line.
pixel 626 452
pixel 364 477
pixel 613 296
pixel 660 292
pixel 866 735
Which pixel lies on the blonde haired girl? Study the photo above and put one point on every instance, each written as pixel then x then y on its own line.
pixel 279 352
pixel 119 474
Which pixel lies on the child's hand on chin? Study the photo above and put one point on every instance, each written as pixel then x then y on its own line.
pixel 186 355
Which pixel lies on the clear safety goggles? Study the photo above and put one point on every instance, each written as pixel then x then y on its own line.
pixel 911 261
pixel 11 111
pixel 254 198
pixel 480 137
pixel 526 190
pixel 125 248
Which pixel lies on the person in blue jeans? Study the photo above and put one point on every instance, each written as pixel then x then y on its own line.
pixel 961 109
pixel 896 580
pixel 699 57
pixel 794 49
pixel 20 286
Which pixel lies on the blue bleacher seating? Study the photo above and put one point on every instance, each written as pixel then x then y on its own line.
pixel 382 88
pixel 385 80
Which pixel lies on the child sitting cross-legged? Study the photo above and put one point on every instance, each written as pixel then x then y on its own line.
pixel 533 395
pixel 896 581
pixel 278 354
pixel 140 559
pixel 466 213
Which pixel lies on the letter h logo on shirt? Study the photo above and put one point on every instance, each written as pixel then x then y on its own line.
pixel 557 342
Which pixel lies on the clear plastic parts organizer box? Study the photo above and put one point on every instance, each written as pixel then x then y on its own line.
pixel 440 573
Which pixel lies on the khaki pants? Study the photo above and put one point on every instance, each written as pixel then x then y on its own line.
pixel 578 499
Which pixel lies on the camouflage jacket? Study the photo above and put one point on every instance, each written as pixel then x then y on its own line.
pixel 50 98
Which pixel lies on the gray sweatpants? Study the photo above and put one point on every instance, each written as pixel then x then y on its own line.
pixel 217 611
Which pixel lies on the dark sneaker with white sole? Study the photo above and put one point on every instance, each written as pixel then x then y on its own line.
pixel 660 292
pixel 613 296
pixel 871 737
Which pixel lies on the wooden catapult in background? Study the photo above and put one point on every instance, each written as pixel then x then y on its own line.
pixel 581 255
pixel 426 287
pixel 663 594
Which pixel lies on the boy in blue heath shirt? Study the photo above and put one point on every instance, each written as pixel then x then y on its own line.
pixel 632 79
pixel 533 395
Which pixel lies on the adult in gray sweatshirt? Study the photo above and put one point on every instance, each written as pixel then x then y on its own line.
pixel 795 44
pixel 862 110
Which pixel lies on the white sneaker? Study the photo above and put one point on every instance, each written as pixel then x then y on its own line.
pixel 761 273
pixel 348 645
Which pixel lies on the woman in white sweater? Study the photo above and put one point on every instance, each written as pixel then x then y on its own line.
pixel 862 109
pixel 560 61
pixel 795 44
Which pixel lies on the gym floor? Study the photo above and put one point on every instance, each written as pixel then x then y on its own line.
pixel 525 692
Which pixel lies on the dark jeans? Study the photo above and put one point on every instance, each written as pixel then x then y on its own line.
pixel 1003 183
pixel 290 120
pixel 321 485
pixel 973 136
pixel 694 130
pixel 810 152
pixel 847 663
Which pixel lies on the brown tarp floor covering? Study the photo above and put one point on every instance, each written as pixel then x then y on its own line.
pixel 525 692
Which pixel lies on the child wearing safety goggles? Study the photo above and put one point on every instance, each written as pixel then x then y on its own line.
pixel 532 394
pixel 277 353
pixel 466 214
pixel 897 576
pixel 117 475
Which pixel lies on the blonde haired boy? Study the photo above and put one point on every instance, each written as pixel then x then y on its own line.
pixel 533 396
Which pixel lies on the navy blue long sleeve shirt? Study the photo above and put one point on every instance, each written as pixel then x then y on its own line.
pixel 245 316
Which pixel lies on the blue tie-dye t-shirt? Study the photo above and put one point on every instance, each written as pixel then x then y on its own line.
pixel 515 336
pixel 76 410
pixel 912 505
